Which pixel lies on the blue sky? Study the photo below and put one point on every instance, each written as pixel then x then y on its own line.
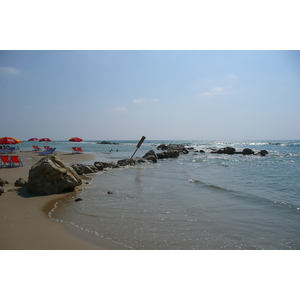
pixel 223 95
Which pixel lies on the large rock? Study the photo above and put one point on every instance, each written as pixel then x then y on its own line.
pixel 139 160
pixel 263 152
pixel 150 156
pixel 247 151
pixel 162 155
pixel 50 175
pixel 226 150
pixel 100 165
pixel 173 153
pixel 162 147
pixel 149 153
pixel 126 162
pixel 84 169
pixel 179 147
pixel 107 143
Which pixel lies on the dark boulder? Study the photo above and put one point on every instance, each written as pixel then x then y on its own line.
pixel 162 147
pixel 263 152
pixel 104 165
pixel 247 151
pixel 179 147
pixel 151 158
pixel 173 153
pixel 149 153
pixel 98 165
pixel 229 150
pixel 84 169
pixel 126 162
pixel 226 150
pixel 20 182
pixel 139 160
pixel 107 143
pixel 162 155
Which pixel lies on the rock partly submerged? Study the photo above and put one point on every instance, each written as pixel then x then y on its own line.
pixel 246 151
pixel 51 175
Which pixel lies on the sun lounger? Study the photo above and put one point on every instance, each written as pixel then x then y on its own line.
pixel 47 148
pixel 77 150
pixel 15 161
pixel 5 161
pixel 51 151
pixel 36 148
pixel 10 150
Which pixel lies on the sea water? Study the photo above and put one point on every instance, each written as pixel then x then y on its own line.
pixel 195 201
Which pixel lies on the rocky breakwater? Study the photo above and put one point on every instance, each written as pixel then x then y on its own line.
pixel 50 175
pixel 170 151
pixel 246 151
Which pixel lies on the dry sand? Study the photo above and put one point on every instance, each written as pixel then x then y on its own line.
pixel 24 221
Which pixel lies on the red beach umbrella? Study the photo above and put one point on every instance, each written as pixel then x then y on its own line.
pixel 33 139
pixel 75 139
pixel 9 140
pixel 45 140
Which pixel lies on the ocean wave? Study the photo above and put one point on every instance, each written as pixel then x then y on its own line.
pixel 284 144
pixel 211 186
pixel 247 196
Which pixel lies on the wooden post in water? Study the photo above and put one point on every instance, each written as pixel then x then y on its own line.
pixel 138 145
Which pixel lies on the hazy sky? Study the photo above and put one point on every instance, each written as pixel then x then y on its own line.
pixel 111 95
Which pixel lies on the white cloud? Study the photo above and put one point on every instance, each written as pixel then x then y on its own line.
pixel 139 101
pixel 119 110
pixel 9 71
pixel 232 77
pixel 155 100
pixel 216 91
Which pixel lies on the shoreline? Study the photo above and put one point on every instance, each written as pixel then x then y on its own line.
pixel 24 220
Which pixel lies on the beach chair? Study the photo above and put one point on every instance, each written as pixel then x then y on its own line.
pixel 47 148
pixel 5 161
pixel 15 161
pixel 10 150
pixel 51 151
pixel 36 148
pixel 74 150
pixel 79 150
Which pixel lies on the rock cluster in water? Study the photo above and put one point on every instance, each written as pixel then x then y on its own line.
pixel 171 151
pixel 246 151
pixel 107 143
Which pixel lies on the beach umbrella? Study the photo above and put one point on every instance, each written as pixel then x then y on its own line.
pixel 75 139
pixel 9 140
pixel 33 139
pixel 45 140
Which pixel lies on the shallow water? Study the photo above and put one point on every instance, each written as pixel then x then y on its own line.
pixel 195 201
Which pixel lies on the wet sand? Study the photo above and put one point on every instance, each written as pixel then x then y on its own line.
pixel 24 221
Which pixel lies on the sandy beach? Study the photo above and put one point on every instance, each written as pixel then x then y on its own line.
pixel 24 221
